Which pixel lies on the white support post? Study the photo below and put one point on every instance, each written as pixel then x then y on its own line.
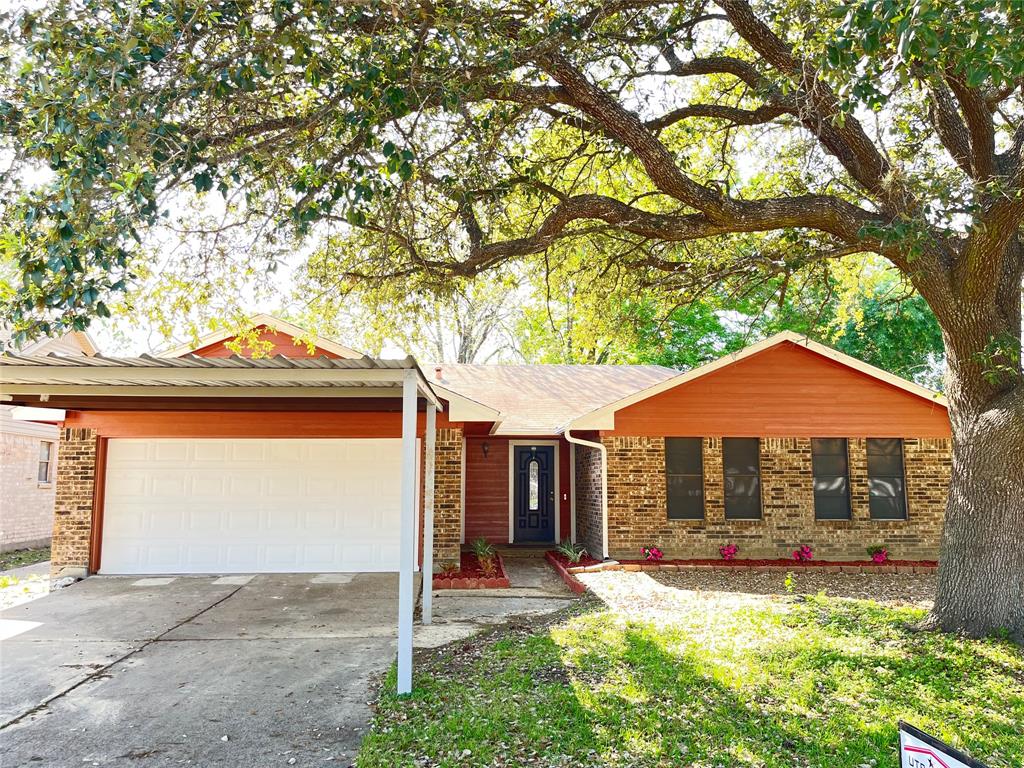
pixel 428 522
pixel 407 539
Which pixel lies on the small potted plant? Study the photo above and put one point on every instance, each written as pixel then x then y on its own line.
pixel 878 554
pixel 803 554
pixel 728 551
pixel 652 554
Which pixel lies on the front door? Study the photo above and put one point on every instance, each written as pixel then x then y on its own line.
pixel 533 504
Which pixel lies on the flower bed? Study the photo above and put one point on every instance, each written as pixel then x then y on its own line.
pixel 845 566
pixel 471 576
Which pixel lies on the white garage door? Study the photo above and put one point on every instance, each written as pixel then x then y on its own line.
pixel 251 505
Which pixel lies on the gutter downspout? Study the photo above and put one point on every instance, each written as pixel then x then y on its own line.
pixel 604 484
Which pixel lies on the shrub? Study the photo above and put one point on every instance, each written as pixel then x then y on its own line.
pixel 878 553
pixel 482 548
pixel 489 566
pixel 652 553
pixel 803 554
pixel 450 569
pixel 728 551
pixel 573 552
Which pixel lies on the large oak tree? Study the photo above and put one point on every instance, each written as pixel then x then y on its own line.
pixel 688 142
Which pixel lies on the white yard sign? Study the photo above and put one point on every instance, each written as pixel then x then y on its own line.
pixel 919 750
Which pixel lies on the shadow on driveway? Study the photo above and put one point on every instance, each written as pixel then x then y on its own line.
pixel 129 671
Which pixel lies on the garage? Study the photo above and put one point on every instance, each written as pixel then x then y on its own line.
pixel 251 506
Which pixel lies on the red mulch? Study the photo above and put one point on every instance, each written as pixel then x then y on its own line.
pixel 471 576
pixel 779 562
pixel 584 561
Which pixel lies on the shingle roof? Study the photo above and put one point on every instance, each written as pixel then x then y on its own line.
pixel 539 399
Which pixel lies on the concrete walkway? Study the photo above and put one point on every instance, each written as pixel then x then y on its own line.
pixel 535 590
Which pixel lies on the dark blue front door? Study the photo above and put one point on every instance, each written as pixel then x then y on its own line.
pixel 534 498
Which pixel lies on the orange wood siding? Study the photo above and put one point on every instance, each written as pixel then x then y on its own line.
pixel 487 490
pixel 244 423
pixel 283 344
pixel 785 391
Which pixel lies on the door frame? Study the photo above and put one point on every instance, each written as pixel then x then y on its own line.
pixel 512 444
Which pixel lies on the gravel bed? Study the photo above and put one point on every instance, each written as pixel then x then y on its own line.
pixel 665 592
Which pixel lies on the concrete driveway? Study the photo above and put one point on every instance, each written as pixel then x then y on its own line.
pixel 232 671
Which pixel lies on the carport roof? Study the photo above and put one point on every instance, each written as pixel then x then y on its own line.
pixel 27 374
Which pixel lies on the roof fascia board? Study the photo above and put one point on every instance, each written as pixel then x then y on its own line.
pixel 276 324
pixel 462 408
pixel 604 418
pixel 96 374
pixel 13 390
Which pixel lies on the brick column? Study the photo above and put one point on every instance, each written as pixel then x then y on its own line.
pixel 447 496
pixel 72 513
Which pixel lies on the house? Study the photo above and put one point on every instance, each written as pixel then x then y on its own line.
pixel 204 461
pixel 28 458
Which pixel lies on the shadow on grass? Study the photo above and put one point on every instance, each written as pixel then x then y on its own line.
pixel 822 683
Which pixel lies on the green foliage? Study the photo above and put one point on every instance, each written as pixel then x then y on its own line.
pixel 482 548
pixel 573 551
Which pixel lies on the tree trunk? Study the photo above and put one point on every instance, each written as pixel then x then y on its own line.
pixel 980 587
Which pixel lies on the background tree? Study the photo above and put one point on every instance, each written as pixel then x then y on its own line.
pixel 698 143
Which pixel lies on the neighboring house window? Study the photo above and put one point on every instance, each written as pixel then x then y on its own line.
pixel 45 461
pixel 887 492
pixel 684 476
pixel 741 459
pixel 831 478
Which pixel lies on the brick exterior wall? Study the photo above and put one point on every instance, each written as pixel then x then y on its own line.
pixel 72 514
pixel 637 504
pixel 588 500
pixel 447 496
pixel 26 505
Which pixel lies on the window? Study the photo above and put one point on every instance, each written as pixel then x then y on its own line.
pixel 684 475
pixel 887 493
pixel 534 485
pixel 741 459
pixel 45 461
pixel 830 461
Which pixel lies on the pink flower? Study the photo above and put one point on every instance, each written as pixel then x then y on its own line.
pixel 804 553
pixel 728 551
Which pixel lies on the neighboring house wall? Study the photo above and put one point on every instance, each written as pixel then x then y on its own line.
pixel 26 504
pixel 637 506
pixel 589 523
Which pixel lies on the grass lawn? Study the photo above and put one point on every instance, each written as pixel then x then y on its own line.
pixel 20 557
pixel 781 682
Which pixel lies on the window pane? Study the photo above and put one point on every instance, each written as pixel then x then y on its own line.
pixel 829 459
pixel 685 497
pixel 44 472
pixel 829 465
pixel 740 455
pixel 743 507
pixel 885 486
pixel 683 455
pixel 834 446
pixel 830 486
pixel 44 451
pixel 831 507
pixel 888 508
pixel 534 485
